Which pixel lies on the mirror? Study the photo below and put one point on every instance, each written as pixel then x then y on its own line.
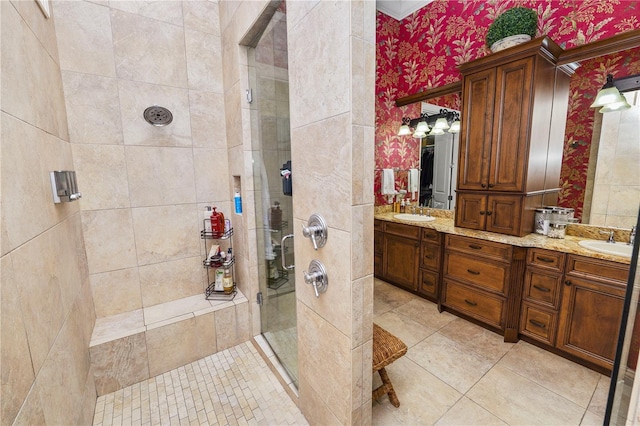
pixel 612 193
pixel 438 156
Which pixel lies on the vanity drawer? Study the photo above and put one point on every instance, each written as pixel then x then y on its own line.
pixel 474 303
pixel 431 235
pixel 378 225
pixel 479 247
pixel 401 230
pixel 430 256
pixel 543 287
pixel 545 259
pixel 477 271
pixel 591 268
pixel 428 285
pixel 538 323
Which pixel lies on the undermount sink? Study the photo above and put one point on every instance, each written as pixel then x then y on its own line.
pixel 619 249
pixel 414 217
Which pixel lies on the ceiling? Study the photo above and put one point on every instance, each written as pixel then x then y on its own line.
pixel 400 9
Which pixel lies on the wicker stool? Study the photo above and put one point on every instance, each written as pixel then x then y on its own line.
pixel 386 349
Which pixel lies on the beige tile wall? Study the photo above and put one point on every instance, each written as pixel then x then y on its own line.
pixel 144 187
pixel 331 80
pixel 46 307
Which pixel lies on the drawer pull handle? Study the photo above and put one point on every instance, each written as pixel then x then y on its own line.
pixel 471 303
pixel 537 323
pixel 475 247
pixel 428 256
pixel 472 272
pixel 427 283
pixel 544 259
pixel 542 289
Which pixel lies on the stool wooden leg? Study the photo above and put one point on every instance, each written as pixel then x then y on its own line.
pixel 389 387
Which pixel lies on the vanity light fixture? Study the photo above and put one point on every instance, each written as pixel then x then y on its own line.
pixel 609 98
pixel 438 123
pixel 404 129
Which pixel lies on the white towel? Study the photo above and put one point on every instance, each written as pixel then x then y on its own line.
pixel 414 182
pixel 388 182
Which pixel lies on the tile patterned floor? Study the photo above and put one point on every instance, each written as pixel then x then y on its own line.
pixel 454 373
pixel 232 387
pixel 457 373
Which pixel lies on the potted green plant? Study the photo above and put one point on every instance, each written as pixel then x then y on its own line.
pixel 513 26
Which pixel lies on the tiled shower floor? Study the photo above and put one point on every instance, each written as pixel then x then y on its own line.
pixel 232 387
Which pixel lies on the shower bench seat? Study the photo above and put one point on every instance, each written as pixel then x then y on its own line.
pixel 133 346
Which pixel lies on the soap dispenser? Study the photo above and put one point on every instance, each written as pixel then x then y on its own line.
pixel 276 216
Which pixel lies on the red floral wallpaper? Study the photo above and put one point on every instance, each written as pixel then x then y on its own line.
pixel 423 51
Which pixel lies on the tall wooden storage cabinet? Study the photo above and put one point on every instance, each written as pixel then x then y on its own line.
pixel 514 110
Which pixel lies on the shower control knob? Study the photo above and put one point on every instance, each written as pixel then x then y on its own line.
pixel 317 277
pixel 316 229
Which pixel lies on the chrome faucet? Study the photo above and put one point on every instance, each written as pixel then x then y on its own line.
pixel 632 236
pixel 610 239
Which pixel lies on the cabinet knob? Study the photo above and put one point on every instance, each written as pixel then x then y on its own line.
pixel 489 213
pixel 491 185
pixel 567 282
pixel 482 185
pixel 482 213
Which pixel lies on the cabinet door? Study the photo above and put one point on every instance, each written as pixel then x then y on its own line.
pixel 590 319
pixel 401 261
pixel 470 210
pixel 475 140
pixel 503 214
pixel 510 136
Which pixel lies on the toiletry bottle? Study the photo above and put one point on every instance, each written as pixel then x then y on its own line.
pixel 207 219
pixel 237 201
pixel 219 280
pixel 217 223
pixel 227 281
pixel 402 206
pixel 276 216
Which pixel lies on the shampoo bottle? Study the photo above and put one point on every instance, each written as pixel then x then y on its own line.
pixel 217 223
pixel 207 219
pixel 237 201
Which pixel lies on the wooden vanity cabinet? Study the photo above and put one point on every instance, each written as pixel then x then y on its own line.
pixel 401 255
pixel 541 295
pixel 478 281
pixel 507 149
pixel 593 294
pixel 430 260
pixel 378 246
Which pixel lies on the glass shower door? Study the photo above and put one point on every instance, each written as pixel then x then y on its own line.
pixel 273 197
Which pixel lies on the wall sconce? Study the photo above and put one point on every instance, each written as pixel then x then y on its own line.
pixel 610 98
pixel 438 123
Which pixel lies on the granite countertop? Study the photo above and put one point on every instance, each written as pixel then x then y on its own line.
pixel 575 233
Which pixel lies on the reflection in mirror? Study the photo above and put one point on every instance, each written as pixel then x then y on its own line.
pixel 438 158
pixel 612 193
